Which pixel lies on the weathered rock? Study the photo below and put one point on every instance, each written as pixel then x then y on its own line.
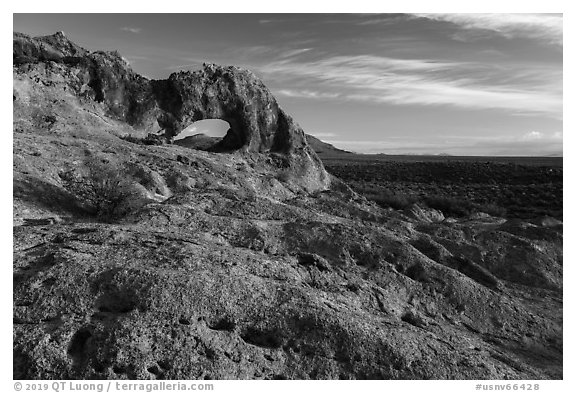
pixel 205 286
pixel 233 272
pixel 49 48
pixel 232 94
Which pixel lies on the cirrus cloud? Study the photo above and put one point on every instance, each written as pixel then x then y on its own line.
pixel 383 80
pixel 543 27
pixel 133 30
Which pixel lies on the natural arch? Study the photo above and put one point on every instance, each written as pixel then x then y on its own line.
pixel 168 106
pixel 203 134
pixel 214 128
pixel 257 124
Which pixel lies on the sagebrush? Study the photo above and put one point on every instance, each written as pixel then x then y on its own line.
pixel 101 189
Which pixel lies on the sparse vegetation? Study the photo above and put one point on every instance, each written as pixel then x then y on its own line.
pixel 385 198
pixel 449 206
pixel 457 188
pixel 453 207
pixel 101 189
pixel 150 139
pixel 283 175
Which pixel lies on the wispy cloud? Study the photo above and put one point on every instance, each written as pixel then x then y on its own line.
pixel 544 27
pixel 134 30
pixel 276 20
pixel 422 82
pixel 532 135
pixel 301 72
pixel 294 52
pixel 380 19
pixel 323 134
pixel 136 57
pixel 306 94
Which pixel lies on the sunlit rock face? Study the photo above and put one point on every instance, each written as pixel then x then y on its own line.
pixel 232 94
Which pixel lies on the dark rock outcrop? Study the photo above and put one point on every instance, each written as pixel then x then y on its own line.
pixel 49 48
pixel 258 124
pixel 234 95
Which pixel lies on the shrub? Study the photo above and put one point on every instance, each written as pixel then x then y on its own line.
pixel 493 209
pixel 101 189
pixel 450 206
pixel 150 139
pixel 391 199
pixel 148 178
pixel 283 175
pixel 385 198
pixel 180 182
pixel 460 208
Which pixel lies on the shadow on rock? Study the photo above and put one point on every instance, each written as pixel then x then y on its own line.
pixel 46 195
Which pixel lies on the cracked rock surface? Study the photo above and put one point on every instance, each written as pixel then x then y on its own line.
pixel 238 265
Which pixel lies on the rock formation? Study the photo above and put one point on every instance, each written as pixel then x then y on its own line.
pixel 250 265
pixel 232 94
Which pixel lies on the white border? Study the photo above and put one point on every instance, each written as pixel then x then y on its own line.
pixel 301 6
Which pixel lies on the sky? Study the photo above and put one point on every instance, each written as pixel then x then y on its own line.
pixel 460 84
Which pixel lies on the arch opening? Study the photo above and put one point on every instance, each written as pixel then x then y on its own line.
pixel 202 134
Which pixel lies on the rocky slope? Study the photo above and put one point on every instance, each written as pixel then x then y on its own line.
pixel 322 148
pixel 251 263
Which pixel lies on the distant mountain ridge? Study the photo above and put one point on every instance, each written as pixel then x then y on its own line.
pixel 198 141
pixel 204 142
pixel 321 147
